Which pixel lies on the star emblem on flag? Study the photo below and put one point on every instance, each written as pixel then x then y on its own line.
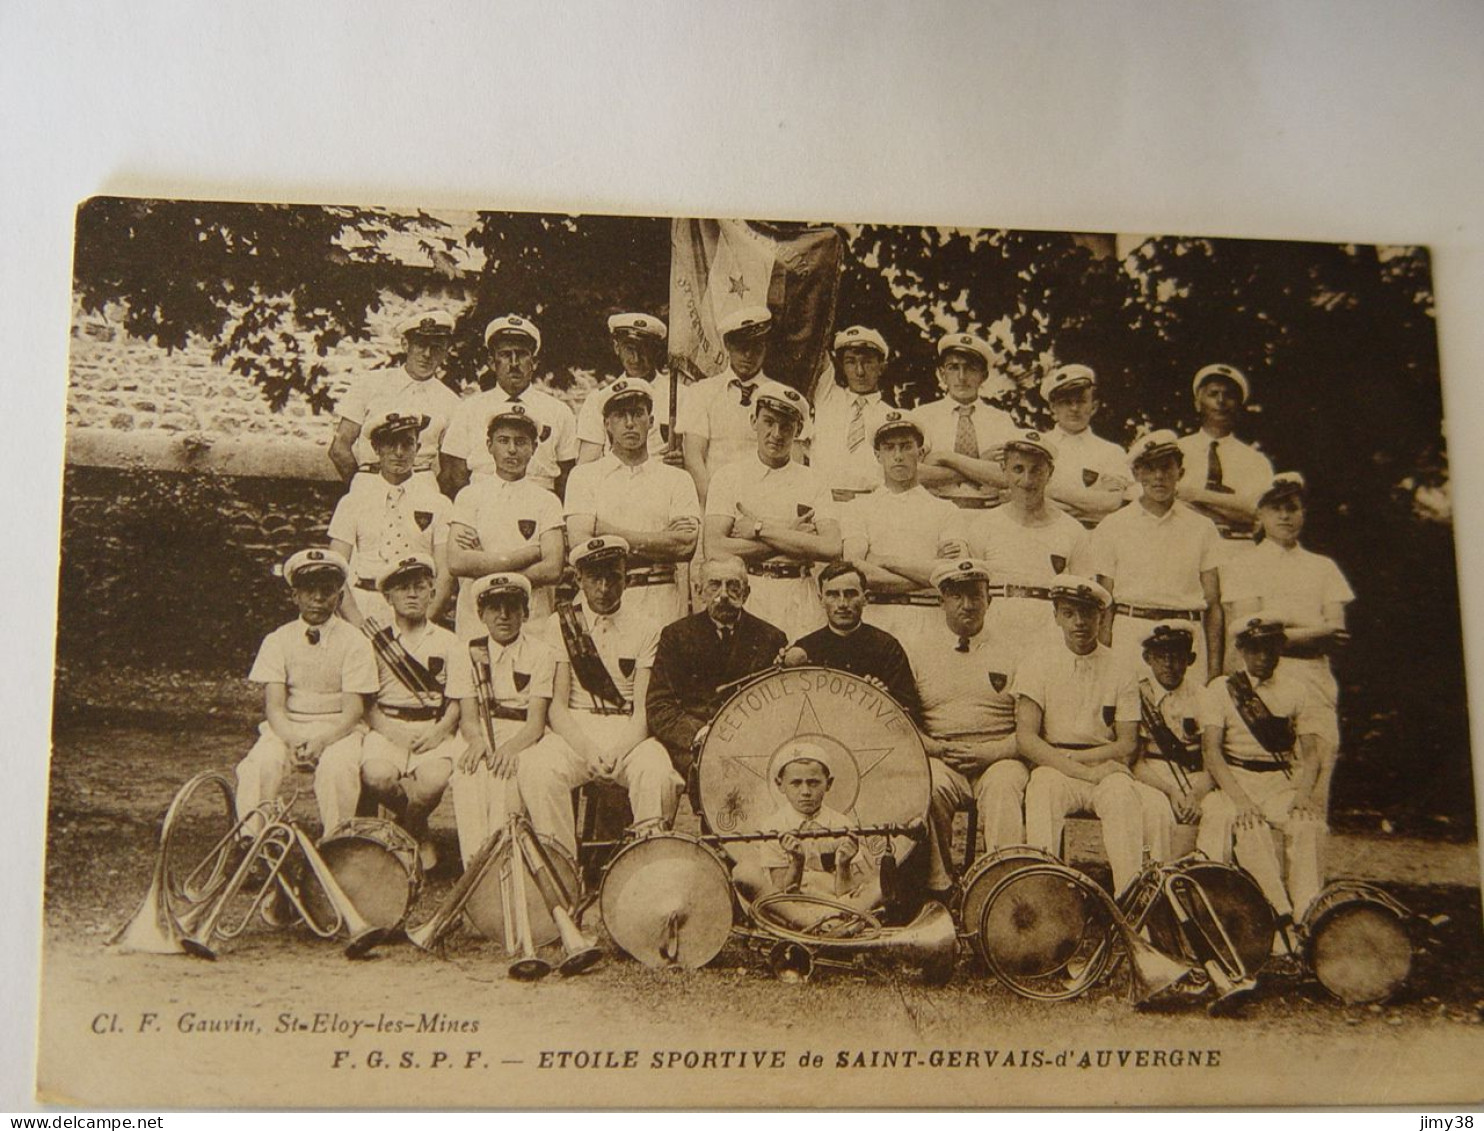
pixel 737 285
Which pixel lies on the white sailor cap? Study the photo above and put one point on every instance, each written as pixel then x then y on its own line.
pixel 968 343
pixel 427 324
pixel 861 337
pixel 412 563
pixel 516 414
pixel 1259 631
pixel 897 421
pixel 1037 442
pixel 493 584
pixel 962 569
pixel 1230 372
pixel 777 395
pixel 1066 378
pixel 614 395
pixel 1284 484
pixel 1082 590
pixel 1169 635
pixel 598 549
pixel 516 326
pixel 637 325
pixel 308 563
pixel 749 321
pixel 394 423
pixel 1153 445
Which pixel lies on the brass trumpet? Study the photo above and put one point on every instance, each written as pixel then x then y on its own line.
pixel 929 941
pixel 528 966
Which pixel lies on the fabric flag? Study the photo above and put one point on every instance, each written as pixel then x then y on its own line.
pixel 718 266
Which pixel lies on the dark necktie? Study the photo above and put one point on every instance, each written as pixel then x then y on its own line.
pixel 962 645
pixel 312 635
pixel 1213 469
pixel 744 388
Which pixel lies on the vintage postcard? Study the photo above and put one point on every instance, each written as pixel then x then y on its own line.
pixel 535 660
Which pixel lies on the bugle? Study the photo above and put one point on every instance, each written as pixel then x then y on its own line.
pixel 580 952
pixel 528 965
pixel 484 692
pixel 929 941
pixel 429 936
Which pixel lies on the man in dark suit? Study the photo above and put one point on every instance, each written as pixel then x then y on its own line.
pixel 700 654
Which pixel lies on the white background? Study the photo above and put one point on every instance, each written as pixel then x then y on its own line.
pixel 1336 121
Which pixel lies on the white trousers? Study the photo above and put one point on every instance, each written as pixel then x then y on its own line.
pixel 1133 816
pixel 337 778
pixel 1255 851
pixel 999 793
pixel 551 770
pixel 788 603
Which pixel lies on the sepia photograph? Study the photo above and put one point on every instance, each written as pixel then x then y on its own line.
pixel 548 659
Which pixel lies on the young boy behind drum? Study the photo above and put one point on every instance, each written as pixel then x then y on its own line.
pixel 840 868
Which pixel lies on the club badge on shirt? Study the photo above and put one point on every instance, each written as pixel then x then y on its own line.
pixel 424 519
pixel 1108 713
pixel 998 680
pixel 522 680
pixel 1089 477
pixel 626 664
pixel 527 528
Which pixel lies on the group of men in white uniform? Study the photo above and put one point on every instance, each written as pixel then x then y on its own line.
pixel 1090 629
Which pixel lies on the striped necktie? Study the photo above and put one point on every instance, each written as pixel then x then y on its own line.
pixel 856 436
pixel 1213 469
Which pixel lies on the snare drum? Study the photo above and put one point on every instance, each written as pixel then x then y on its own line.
pixel 375 862
pixel 1226 910
pixel 878 767
pixel 1044 929
pixel 666 900
pixel 981 879
pixel 486 908
pixel 1355 941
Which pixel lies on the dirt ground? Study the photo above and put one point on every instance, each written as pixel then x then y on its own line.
pixel 113 775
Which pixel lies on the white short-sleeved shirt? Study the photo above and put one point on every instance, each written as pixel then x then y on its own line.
pixel 625 641
pixel 372 396
pixel 1027 554
pixel 590 428
pixel 829 449
pixel 434 647
pixel 1085 461
pixel 316 674
pixel 1285 696
pixel 556 437
pixel 1243 468
pixel 782 494
pixel 963 694
pixel 1157 561
pixel 939 420
pixel 715 413
pixel 1291 585
pixel 1181 708
pixel 905 524
pixel 520 671
pixel 384 522
pixel 1081 697
pixel 506 516
pixel 646 496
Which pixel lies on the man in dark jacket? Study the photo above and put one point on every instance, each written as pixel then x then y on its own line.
pixel 700 655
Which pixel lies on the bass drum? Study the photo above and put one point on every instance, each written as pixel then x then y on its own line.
pixel 981 879
pixel 1224 904
pixel 375 861
pixel 486 910
pixel 1355 941
pixel 878 768
pixel 666 900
